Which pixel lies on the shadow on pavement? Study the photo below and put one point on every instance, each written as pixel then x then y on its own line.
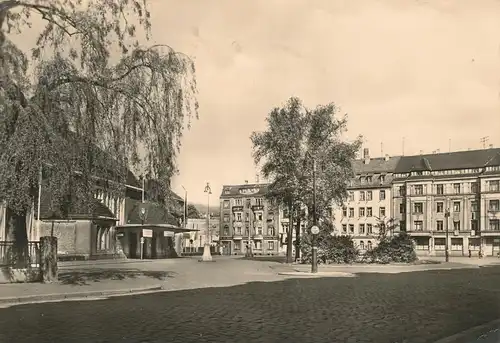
pixel 83 277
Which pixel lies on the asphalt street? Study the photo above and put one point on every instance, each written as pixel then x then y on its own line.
pixel 385 308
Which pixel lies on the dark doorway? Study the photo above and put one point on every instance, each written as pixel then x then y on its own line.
pixel 153 245
pixel 133 243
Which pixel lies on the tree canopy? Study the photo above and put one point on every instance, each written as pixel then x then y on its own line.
pixel 297 138
pixel 75 106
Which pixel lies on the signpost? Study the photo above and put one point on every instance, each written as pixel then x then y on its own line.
pixel 142 247
pixel 147 233
pixel 314 267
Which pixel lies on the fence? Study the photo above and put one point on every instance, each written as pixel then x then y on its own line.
pixel 7 250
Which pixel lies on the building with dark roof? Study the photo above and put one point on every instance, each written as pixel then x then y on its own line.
pixel 247 217
pixel 456 191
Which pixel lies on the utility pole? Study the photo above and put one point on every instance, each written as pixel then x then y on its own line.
pixel 403 151
pixel 446 253
pixel 314 229
pixel 207 256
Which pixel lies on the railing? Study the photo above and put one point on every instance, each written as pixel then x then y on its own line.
pixel 7 251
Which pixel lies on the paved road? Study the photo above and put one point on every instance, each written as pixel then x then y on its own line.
pixel 381 308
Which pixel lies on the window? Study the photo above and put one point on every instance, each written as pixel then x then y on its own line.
pixel 247 216
pixel 237 245
pixel 238 230
pixel 382 195
pixel 401 208
pixel 419 225
pixel 418 208
pixel 258 245
pixel 402 226
pixel 456 206
pixel 456 244
pixel 249 202
pixel 474 187
pixel 494 224
pixel 351 212
pixel 369 245
pixel 226 203
pixel 361 211
pixel 439 243
pixel 259 230
pixel 473 206
pixel 270 231
pixel 344 212
pixel 259 216
pixel 351 196
pixel 440 189
pixel 226 230
pixel 344 228
pixel 494 186
pixel 401 190
pixel 238 217
pixel 419 189
pixel 237 202
pixel 368 211
pixel 456 188
pixel 382 178
pixel 226 218
pixel 369 195
pixel 361 229
pixel 351 228
pixel 270 245
pixel 369 179
pixel 361 245
pixel 456 226
pixel 369 229
pixel 439 225
pixel 362 196
pixel 473 225
pixel 439 207
pixel 259 202
pixel 382 212
pixel 494 205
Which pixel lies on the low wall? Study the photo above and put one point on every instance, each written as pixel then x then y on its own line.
pixel 11 275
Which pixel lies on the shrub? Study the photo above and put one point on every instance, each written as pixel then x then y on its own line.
pixel 331 249
pixel 400 248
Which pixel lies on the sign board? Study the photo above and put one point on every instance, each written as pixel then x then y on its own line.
pixel 120 234
pixel 168 234
pixel 147 233
pixel 315 230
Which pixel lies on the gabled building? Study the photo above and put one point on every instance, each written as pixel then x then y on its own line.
pixel 246 217
pixel 369 201
pixel 467 184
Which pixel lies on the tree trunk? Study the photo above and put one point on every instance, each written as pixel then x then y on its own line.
pixel 297 238
pixel 18 234
pixel 289 245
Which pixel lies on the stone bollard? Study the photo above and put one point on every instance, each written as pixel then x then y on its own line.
pixel 48 263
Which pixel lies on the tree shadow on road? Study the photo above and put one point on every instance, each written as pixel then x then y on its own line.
pixel 83 277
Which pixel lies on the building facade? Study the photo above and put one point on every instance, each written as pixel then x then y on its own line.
pixel 195 239
pixel 247 217
pixel 370 200
pixel 456 192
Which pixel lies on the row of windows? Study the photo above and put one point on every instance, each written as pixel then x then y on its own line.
pixel 368 245
pixel 271 231
pixel 494 225
pixel 446 172
pixel 456 188
pixel 362 229
pixel 362 212
pixel 239 217
pixel 239 202
pixel 369 179
pixel 257 245
pixel 418 207
pixel 366 195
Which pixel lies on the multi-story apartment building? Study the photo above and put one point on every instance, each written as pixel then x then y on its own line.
pixel 246 216
pixel 369 202
pixel 458 192
pixel 199 235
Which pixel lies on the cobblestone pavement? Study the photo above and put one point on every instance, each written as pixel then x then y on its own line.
pixel 381 308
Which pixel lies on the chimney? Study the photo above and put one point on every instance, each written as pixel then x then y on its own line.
pixel 491 146
pixel 366 155
pixel 386 158
pixel 246 182
pixel 257 179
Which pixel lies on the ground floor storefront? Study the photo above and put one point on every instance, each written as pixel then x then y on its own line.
pixel 458 245
pixel 263 246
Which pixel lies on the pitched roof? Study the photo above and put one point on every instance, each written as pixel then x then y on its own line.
pixel 376 165
pixel 245 190
pixel 448 161
pixel 155 213
pixel 75 212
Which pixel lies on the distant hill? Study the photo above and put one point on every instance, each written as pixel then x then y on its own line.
pixel 203 208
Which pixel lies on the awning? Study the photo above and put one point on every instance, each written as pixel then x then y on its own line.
pixel 156 227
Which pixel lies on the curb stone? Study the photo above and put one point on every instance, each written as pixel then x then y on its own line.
pixel 473 334
pixel 62 296
pixel 318 274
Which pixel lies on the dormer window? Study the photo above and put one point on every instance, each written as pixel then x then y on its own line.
pixel 368 179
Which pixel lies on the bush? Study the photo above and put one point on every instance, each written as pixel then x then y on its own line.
pixel 400 248
pixel 331 249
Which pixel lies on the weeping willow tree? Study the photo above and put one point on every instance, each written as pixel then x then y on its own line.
pixel 80 113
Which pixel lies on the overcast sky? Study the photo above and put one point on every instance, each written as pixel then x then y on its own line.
pixel 424 70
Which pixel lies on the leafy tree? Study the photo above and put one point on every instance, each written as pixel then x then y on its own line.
pixel 192 212
pixel 399 248
pixel 82 112
pixel 386 228
pixel 296 139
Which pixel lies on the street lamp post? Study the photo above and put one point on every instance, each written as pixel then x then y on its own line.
pixel 142 215
pixel 446 253
pixel 314 229
pixel 207 256
pixel 184 220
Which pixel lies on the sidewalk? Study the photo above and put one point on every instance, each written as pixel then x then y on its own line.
pixel 90 279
